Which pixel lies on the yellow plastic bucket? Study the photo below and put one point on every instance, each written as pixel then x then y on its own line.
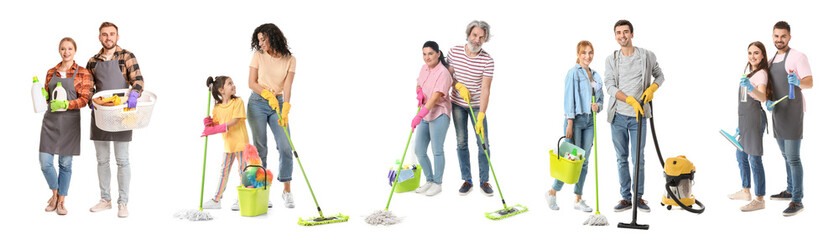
pixel 410 184
pixel 253 201
pixel 563 169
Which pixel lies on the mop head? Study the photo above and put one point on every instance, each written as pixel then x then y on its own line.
pixel 596 220
pixel 731 139
pixel 504 213
pixel 324 220
pixel 194 215
pixel 382 217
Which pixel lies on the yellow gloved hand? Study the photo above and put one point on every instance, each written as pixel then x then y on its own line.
pixel 479 125
pixel 284 116
pixel 638 109
pixel 648 94
pixel 272 99
pixel 464 93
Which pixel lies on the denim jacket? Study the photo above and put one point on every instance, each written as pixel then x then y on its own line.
pixel 578 92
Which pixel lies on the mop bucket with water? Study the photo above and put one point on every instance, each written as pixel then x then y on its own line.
pixel 254 201
pixel 566 165
pixel 117 118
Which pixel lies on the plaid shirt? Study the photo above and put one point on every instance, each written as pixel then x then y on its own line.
pixel 82 84
pixel 127 64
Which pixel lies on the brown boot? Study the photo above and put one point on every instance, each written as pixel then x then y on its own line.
pixel 60 209
pixel 51 204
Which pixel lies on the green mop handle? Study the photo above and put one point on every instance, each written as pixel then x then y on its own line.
pixel 285 130
pixel 596 184
pixel 484 145
pixel 204 168
pixel 398 171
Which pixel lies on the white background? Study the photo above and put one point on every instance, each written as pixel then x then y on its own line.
pixel 353 99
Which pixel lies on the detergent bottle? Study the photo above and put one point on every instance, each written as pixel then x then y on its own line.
pixel 39 102
pixel 59 94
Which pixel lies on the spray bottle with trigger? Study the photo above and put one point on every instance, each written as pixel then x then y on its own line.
pixel 743 91
pixel 791 88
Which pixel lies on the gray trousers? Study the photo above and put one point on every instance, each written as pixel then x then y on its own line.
pixel 103 157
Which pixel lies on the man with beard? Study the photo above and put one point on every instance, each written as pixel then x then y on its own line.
pixel 628 73
pixel 472 69
pixel 785 70
pixel 113 68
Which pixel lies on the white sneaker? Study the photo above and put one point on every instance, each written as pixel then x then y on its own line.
pixel 270 205
pixel 235 206
pixel 288 199
pixel 551 201
pixel 210 204
pixel 102 205
pixel 581 205
pixel 740 195
pixel 434 189
pixel 424 187
pixel 123 210
pixel 753 205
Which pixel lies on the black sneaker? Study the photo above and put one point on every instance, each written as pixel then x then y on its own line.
pixel 642 205
pixel 785 196
pixel 465 188
pixel 487 189
pixel 623 205
pixel 794 208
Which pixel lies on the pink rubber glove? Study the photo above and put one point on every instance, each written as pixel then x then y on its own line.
pixel 210 130
pixel 420 97
pixel 208 122
pixel 421 114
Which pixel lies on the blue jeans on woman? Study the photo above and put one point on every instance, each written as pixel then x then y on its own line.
pixel 755 164
pixel 260 114
pixel 460 116
pixel 433 132
pixel 60 181
pixel 624 132
pixel 583 137
pixel 791 149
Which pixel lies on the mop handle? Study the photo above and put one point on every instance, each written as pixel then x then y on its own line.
pixel 285 130
pixel 204 168
pixel 398 171
pixel 596 183
pixel 484 145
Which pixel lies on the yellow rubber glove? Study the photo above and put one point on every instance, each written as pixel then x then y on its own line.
pixel 284 116
pixel 464 93
pixel 479 126
pixel 272 99
pixel 638 109
pixel 648 94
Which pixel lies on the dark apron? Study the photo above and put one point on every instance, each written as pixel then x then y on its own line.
pixel 788 115
pixel 108 77
pixel 752 122
pixel 61 131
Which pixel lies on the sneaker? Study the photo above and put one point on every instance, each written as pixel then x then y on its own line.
pixel 486 189
pixel 793 209
pixel 59 208
pixel 753 205
pixel 582 206
pixel 270 205
pixel 785 196
pixel 288 200
pixel 210 204
pixel 465 189
pixel 235 206
pixel 433 190
pixel 102 205
pixel 623 205
pixel 424 187
pixel 123 210
pixel 51 204
pixel 551 201
pixel 642 205
pixel 740 195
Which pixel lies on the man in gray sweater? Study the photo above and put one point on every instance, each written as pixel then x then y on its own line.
pixel 628 73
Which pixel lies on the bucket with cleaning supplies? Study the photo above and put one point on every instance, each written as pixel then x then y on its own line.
pixel 112 116
pixel 566 165
pixel 253 201
pixel 409 178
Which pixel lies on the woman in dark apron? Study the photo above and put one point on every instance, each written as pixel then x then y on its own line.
pixel 60 130
pixel 751 124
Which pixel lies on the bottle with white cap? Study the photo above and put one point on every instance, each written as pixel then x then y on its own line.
pixel 39 96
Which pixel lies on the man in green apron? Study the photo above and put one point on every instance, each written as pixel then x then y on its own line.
pixel 113 68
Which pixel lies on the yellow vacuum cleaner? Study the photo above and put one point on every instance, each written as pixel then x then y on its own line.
pixel 678 172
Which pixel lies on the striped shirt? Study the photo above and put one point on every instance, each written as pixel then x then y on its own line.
pixel 470 72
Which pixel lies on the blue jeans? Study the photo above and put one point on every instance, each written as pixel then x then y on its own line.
pixel 103 168
pixel 460 116
pixel 60 181
pixel 260 114
pixel 624 130
pixel 583 137
pixel 744 160
pixel 791 150
pixel 433 132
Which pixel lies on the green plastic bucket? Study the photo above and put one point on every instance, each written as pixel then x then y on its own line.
pixel 253 201
pixel 563 169
pixel 410 184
